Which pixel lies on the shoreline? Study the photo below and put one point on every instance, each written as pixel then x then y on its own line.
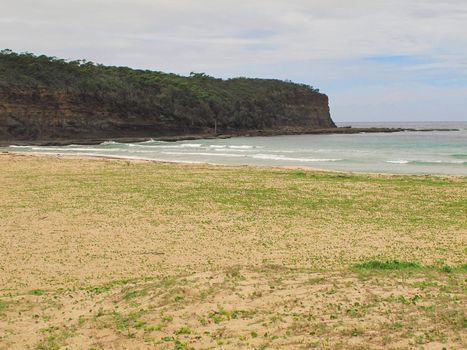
pixel 187 163
pixel 207 136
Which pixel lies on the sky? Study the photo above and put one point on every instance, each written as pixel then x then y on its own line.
pixel 377 60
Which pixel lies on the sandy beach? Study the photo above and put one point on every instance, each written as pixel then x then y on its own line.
pixel 115 254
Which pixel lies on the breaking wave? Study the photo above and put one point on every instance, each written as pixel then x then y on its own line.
pixel 204 154
pixel 428 162
pixel 279 157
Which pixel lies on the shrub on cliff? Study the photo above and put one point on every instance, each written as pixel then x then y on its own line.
pixel 194 102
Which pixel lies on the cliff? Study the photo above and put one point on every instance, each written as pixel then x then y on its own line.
pixel 44 98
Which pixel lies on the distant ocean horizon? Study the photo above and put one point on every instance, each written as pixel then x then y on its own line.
pixel 408 152
pixel 406 125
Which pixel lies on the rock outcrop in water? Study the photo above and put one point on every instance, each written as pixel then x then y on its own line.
pixel 44 98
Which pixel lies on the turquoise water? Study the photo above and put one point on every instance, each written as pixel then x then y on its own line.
pixel 437 152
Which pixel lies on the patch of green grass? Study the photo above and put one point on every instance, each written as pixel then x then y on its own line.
pixel 387 265
pixel 138 324
pixel 178 345
pixel 152 328
pixel 219 315
pixel 446 268
pixel 167 318
pixel 3 306
pixel 425 284
pixel 179 298
pixel 408 301
pixel 168 282
pixel 135 294
pixel 37 292
pixel 297 174
pixel 108 286
pixel 233 273
pixel 50 329
pixel 183 330
pixel 54 340
pixel 123 321
pixel 99 290
pixel 406 265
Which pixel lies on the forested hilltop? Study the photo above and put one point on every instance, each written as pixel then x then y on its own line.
pixel 46 98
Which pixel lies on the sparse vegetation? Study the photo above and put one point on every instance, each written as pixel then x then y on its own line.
pixel 151 255
pixel 387 265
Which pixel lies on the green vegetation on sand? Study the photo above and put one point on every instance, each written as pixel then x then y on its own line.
pixel 100 254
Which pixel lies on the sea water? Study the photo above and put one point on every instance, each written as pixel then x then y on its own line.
pixel 410 152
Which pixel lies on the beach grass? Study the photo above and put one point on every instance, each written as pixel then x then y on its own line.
pixel 100 253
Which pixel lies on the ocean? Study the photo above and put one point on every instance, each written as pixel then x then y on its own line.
pixel 409 152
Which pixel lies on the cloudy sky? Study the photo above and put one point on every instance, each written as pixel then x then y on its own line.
pixel 378 60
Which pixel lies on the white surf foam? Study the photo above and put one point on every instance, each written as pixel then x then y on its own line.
pixel 279 157
pixel 426 162
pixel 397 161
pixel 191 145
pixel 73 149
pixel 109 143
pixel 241 147
pixel 204 154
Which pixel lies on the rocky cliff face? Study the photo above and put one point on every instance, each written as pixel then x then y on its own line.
pixel 44 115
pixel 48 115
pixel 45 98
